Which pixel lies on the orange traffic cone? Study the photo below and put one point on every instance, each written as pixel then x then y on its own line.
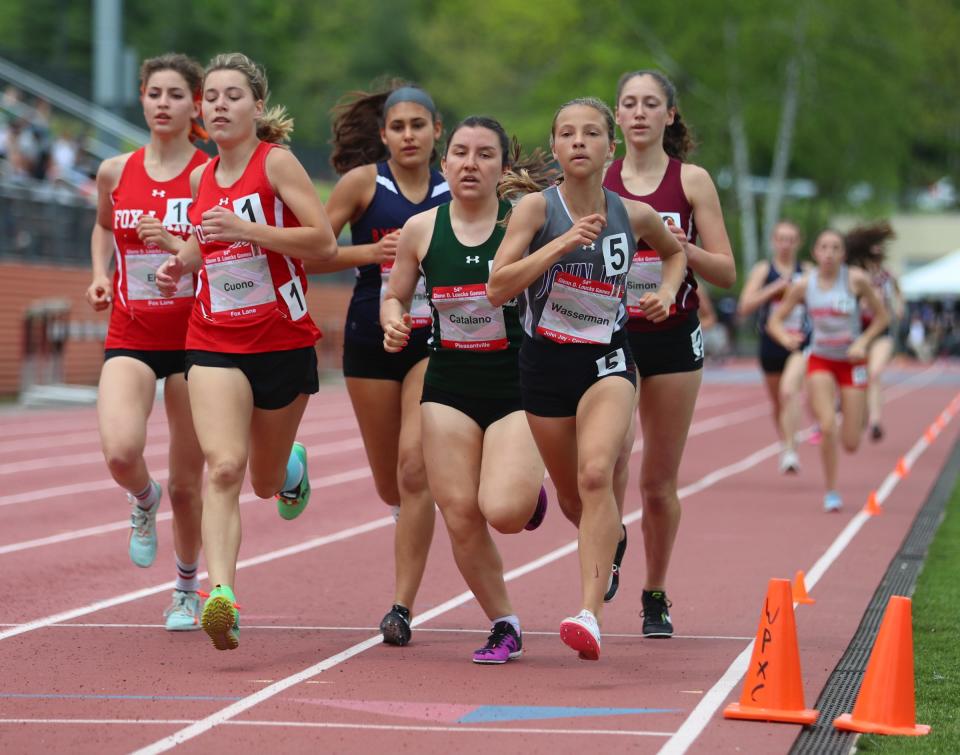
pixel 885 703
pixel 773 688
pixel 873 506
pixel 930 435
pixel 800 590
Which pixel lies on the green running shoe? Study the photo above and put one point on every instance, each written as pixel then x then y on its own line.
pixel 291 506
pixel 221 619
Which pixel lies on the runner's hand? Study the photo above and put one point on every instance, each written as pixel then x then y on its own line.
pixel 220 224
pixel 584 232
pixel 385 250
pixel 100 293
pixel 678 233
pixel 152 233
pixel 655 306
pixel 168 275
pixel 396 334
pixel 857 351
pixel 792 342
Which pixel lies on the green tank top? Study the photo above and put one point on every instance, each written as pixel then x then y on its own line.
pixel 473 347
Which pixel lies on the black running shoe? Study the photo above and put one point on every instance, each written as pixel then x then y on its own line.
pixel 656 614
pixel 876 432
pixel 614 584
pixel 396 626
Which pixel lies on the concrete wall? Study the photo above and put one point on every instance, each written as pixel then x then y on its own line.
pixel 25 285
pixel 921 238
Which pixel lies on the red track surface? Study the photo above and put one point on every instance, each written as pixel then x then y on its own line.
pixel 85 665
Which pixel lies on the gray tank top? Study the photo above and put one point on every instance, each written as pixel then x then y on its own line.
pixel 835 315
pixel 581 298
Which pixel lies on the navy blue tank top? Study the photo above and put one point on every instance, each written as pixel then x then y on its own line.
pixel 387 211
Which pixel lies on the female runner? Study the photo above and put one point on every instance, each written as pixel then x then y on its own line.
pixel 865 249
pixel 250 344
pixel 384 145
pixel 668 352
pixel 838 349
pixel 482 463
pixel 569 249
pixel 783 370
pixel 142 201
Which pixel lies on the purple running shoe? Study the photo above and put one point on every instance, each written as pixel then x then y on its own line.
pixel 503 644
pixel 538 513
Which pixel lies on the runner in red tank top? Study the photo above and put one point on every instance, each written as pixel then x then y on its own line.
pixel 251 361
pixel 669 355
pixel 142 200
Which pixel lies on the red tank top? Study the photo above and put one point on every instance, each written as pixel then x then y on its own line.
pixel 669 200
pixel 250 300
pixel 141 317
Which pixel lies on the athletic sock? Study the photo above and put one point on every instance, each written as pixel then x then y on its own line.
pixel 187 576
pixel 513 620
pixel 291 482
pixel 148 497
pixel 395 513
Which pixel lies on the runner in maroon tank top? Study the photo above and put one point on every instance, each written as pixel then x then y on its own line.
pixel 669 354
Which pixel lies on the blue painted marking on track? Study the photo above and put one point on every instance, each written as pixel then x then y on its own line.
pixel 26 696
pixel 490 713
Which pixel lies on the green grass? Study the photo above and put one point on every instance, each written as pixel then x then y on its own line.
pixel 936 647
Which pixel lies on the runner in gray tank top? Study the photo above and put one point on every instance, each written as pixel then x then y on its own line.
pixel 838 349
pixel 471 393
pixel 568 250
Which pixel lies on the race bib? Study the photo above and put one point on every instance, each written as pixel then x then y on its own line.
pixel 142 277
pixel 419 307
pixel 467 319
pixel 644 278
pixel 580 310
pixel 241 285
pixel 612 363
pixel 859 375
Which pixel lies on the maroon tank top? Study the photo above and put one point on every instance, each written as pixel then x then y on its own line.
pixel 669 200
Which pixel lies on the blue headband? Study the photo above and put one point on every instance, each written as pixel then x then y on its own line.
pixel 409 94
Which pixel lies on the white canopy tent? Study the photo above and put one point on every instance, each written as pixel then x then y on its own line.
pixel 937 280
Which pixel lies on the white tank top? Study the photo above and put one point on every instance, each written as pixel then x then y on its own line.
pixel 835 316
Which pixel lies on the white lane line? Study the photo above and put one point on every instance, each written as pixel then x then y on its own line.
pixel 697 428
pixel 235 709
pixel 146 592
pixel 434 630
pixel 315 449
pixel 331 725
pixel 701 715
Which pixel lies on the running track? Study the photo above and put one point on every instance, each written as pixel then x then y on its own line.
pixel 85 665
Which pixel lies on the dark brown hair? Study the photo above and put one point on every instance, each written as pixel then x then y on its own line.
pixel 865 243
pixel 678 141
pixel 357 120
pixel 189 69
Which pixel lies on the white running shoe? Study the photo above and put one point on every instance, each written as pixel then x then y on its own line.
pixel 582 633
pixel 143 530
pixel 789 462
pixel 183 615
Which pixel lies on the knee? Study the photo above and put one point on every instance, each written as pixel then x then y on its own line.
pixel 122 460
pixel 227 473
pixel 387 491
pixel 594 477
pixel 570 506
pixel 462 518
pixel 183 493
pixel 850 445
pixel 828 427
pixel 502 516
pixel 411 474
pixel 658 495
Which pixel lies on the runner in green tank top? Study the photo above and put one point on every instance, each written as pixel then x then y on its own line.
pixel 482 464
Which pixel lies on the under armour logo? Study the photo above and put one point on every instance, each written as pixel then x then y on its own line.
pixel 223 202
pixel 475 258
pixel 158 193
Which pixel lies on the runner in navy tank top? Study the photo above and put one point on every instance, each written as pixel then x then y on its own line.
pixel 669 354
pixel 568 250
pixel 142 201
pixel 838 349
pixel 384 144
pixel 782 370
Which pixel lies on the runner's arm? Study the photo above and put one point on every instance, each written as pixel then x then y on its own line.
pixel 862 287
pixel 714 260
pixel 775 327
pixel 755 294
pixel 99 293
pixel 395 308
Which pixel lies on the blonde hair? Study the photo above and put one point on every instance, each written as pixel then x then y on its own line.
pixel 274 126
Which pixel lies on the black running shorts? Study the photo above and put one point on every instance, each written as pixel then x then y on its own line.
pixel 276 377
pixel 163 363
pixel 662 352
pixel 483 411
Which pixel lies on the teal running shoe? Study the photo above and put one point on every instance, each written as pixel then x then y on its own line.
pixel 221 618
pixel 183 615
pixel 143 530
pixel 290 504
